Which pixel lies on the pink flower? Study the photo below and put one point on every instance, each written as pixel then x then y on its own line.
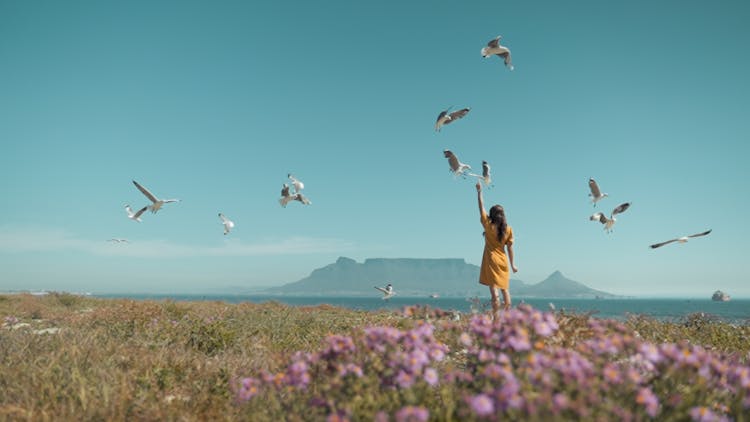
pixel 412 414
pixel 647 398
pixel 431 376
pixel 482 405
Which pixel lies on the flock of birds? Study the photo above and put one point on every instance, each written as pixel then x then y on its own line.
pixel 457 168
pixel 287 195
pixel 608 222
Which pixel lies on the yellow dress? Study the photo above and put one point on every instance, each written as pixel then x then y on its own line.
pixel 495 269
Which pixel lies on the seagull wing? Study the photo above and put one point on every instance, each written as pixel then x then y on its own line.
pixel 458 114
pixel 485 169
pixel 452 160
pixel 700 234
pixel 224 219
pixel 381 289
pixel 140 211
pixel 659 245
pixel 595 192
pixel 145 191
pixel 494 43
pixel 621 208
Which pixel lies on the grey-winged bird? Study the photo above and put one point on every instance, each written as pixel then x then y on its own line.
pixel 682 239
pixel 457 168
pixel 137 215
pixel 610 222
pixel 156 202
pixel 445 118
pixel 495 49
pixel 596 194
pixel 228 224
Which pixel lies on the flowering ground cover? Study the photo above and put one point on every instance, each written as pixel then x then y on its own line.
pixel 146 360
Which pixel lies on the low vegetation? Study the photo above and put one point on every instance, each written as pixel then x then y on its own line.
pixel 66 357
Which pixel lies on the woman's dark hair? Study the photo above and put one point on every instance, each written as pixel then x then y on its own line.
pixel 497 217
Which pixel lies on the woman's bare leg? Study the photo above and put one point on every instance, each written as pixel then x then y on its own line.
pixel 506 299
pixel 495 300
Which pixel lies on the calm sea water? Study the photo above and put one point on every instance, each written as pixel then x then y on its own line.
pixel 735 310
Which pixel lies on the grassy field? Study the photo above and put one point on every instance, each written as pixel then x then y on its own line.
pixel 66 357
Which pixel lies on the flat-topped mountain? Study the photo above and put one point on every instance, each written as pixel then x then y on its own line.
pixel 421 277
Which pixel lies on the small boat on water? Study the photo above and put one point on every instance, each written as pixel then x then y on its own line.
pixel 720 296
pixel 434 296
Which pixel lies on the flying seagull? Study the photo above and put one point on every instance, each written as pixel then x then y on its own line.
pixel 157 203
pixel 287 197
pixel 298 186
pixel 596 194
pixel 457 168
pixel 682 239
pixel 445 118
pixel 485 176
pixel 609 222
pixel 495 49
pixel 228 224
pixel 117 240
pixel 387 291
pixel 135 216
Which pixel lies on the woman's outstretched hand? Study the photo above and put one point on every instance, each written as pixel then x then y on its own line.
pixel 479 187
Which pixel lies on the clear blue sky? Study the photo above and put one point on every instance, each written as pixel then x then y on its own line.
pixel 215 102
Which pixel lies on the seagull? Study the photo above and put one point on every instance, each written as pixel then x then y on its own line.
pixel 228 224
pixel 116 240
pixel 596 195
pixel 136 216
pixel 457 167
pixel 609 222
pixel 387 291
pixel 485 176
pixel 285 196
pixel 682 239
pixel 495 49
pixel 157 203
pixel 445 118
pixel 298 186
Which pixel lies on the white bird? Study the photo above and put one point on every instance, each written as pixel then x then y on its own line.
pixel 609 222
pixel 117 240
pixel 485 176
pixel 135 216
pixel 157 203
pixel 682 239
pixel 457 168
pixel 286 197
pixel 596 194
pixel 298 186
pixel 228 224
pixel 445 118
pixel 495 49
pixel 387 291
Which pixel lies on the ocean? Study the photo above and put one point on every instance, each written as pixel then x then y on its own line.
pixel 734 311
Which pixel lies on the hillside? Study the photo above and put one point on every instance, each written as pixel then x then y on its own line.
pixel 421 277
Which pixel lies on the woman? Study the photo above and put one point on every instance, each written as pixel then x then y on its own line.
pixel 497 237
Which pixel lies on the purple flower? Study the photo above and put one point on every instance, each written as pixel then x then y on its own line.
pixel 431 376
pixel 381 416
pixel 482 405
pixel 249 388
pixel 412 414
pixel 704 414
pixel 404 379
pixel 647 398
pixel 560 401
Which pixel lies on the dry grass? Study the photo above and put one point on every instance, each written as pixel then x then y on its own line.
pixel 165 360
